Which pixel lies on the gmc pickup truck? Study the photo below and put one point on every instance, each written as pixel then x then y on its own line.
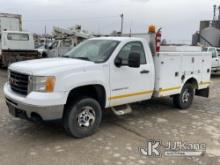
pixel 103 73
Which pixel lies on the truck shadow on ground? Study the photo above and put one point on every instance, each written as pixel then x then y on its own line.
pixel 46 130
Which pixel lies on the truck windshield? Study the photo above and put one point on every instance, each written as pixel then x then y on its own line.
pixel 93 50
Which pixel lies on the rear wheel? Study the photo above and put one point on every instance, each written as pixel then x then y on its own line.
pixel 82 117
pixel 185 98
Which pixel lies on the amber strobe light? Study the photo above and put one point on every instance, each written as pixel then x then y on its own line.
pixel 152 29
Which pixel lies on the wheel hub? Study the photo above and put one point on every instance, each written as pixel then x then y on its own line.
pixel 186 96
pixel 87 117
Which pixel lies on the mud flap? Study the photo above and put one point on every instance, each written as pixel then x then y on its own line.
pixel 203 92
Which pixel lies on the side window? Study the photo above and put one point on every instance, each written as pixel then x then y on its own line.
pixel 213 51
pixel 18 37
pixel 132 47
pixel 218 50
pixel 54 45
pixel 66 43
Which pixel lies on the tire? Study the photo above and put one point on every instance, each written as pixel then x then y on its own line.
pixel 44 55
pixel 82 118
pixel 185 99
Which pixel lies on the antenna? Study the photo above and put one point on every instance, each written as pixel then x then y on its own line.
pixel 130 32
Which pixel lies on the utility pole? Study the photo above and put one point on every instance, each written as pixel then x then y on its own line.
pixel 122 22
pixel 45 35
pixel 219 13
pixel 214 13
pixel 45 30
pixel 130 32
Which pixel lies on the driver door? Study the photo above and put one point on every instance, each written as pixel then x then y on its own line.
pixel 131 84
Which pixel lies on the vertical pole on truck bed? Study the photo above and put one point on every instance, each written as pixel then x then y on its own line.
pixel 158 40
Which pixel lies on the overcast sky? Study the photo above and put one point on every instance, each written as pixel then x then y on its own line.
pixel 178 18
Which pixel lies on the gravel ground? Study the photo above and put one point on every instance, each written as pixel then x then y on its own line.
pixel 118 139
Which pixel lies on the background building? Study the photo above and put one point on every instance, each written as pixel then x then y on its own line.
pixel 209 31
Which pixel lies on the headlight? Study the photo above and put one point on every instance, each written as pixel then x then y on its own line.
pixel 43 84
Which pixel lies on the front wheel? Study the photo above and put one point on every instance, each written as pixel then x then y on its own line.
pixel 185 98
pixel 82 117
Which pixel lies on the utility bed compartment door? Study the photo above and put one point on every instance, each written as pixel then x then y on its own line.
pixel 173 69
pixel 168 74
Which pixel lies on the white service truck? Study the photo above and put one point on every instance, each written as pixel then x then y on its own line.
pixel 16 46
pixel 215 58
pixel 56 48
pixel 103 73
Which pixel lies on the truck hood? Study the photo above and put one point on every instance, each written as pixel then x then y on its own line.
pixel 49 66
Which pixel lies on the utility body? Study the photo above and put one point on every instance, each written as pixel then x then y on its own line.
pixel 104 73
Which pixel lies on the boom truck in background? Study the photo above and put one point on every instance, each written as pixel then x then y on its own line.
pixel 64 39
pixel 15 45
pixel 55 48
pixel 105 73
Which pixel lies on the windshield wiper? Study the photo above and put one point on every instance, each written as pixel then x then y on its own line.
pixel 66 56
pixel 82 58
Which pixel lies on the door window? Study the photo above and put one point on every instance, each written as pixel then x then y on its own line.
pixel 54 45
pixel 132 47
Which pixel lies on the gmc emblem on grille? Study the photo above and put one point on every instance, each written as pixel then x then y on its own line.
pixel 13 81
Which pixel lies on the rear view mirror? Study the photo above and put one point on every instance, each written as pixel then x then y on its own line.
pixel 118 62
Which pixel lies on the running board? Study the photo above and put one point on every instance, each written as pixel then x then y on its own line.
pixel 121 110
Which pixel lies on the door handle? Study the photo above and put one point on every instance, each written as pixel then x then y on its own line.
pixel 145 72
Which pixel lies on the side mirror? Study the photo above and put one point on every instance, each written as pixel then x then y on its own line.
pixel 134 60
pixel 118 62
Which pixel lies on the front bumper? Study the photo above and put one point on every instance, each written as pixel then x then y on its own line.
pixel 43 105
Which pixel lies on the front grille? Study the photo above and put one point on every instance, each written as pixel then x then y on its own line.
pixel 19 82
